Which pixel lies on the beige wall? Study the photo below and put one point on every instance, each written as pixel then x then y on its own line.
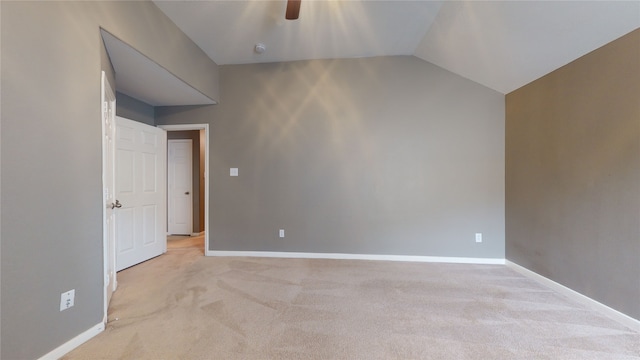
pixel 573 175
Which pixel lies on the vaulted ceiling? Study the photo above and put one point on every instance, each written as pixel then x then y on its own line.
pixel 500 44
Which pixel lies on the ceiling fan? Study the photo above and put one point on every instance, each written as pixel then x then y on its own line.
pixel 293 9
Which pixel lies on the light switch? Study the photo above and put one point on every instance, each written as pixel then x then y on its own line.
pixel 233 172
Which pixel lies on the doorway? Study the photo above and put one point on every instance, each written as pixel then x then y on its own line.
pixel 200 222
pixel 108 110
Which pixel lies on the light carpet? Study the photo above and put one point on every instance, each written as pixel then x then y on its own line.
pixel 176 242
pixel 183 305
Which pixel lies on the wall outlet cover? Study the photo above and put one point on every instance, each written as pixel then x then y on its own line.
pixel 67 299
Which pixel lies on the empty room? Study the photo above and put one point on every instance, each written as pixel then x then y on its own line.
pixel 347 179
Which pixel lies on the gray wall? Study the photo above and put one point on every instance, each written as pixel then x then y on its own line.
pixel 51 210
pixel 388 155
pixel 134 109
pixel 197 173
pixel 573 175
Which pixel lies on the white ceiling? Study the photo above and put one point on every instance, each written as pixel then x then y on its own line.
pixel 500 44
pixel 228 30
pixel 507 44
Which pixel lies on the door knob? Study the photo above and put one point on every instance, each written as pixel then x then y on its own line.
pixel 116 204
pixel 187 193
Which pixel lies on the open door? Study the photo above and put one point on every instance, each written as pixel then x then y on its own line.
pixel 140 192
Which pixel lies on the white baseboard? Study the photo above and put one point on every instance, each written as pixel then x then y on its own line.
pixel 301 255
pixel 576 296
pixel 65 348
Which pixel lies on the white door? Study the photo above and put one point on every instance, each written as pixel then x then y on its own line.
pixel 140 218
pixel 180 188
pixel 108 130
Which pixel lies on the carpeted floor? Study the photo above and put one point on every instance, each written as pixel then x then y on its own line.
pixel 177 242
pixel 183 305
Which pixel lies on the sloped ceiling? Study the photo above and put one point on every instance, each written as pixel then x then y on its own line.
pixel 142 78
pixel 228 30
pixel 500 44
pixel 507 44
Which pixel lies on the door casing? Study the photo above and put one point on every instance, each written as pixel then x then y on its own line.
pixel 108 110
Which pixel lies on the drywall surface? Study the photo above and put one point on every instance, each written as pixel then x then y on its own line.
pixel 141 25
pixel 134 109
pixel 52 56
pixel 388 155
pixel 573 175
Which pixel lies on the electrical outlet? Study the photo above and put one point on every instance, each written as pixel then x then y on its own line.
pixel 281 233
pixel 67 299
pixel 478 237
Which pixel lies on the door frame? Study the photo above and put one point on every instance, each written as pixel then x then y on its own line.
pixel 107 98
pixel 204 127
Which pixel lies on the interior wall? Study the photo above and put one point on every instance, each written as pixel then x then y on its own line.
pixel 573 175
pixel 51 211
pixel 134 109
pixel 198 195
pixel 388 155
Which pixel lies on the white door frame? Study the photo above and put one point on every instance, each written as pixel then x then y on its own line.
pixel 107 99
pixel 204 127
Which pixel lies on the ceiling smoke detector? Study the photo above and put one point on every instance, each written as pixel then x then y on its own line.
pixel 259 48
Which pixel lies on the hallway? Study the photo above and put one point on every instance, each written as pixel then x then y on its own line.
pixel 178 242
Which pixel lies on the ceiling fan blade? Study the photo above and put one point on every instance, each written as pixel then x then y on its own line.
pixel 293 9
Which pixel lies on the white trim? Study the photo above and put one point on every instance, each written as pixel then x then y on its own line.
pixel 300 255
pixel 106 94
pixel 65 348
pixel 578 297
pixel 204 127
